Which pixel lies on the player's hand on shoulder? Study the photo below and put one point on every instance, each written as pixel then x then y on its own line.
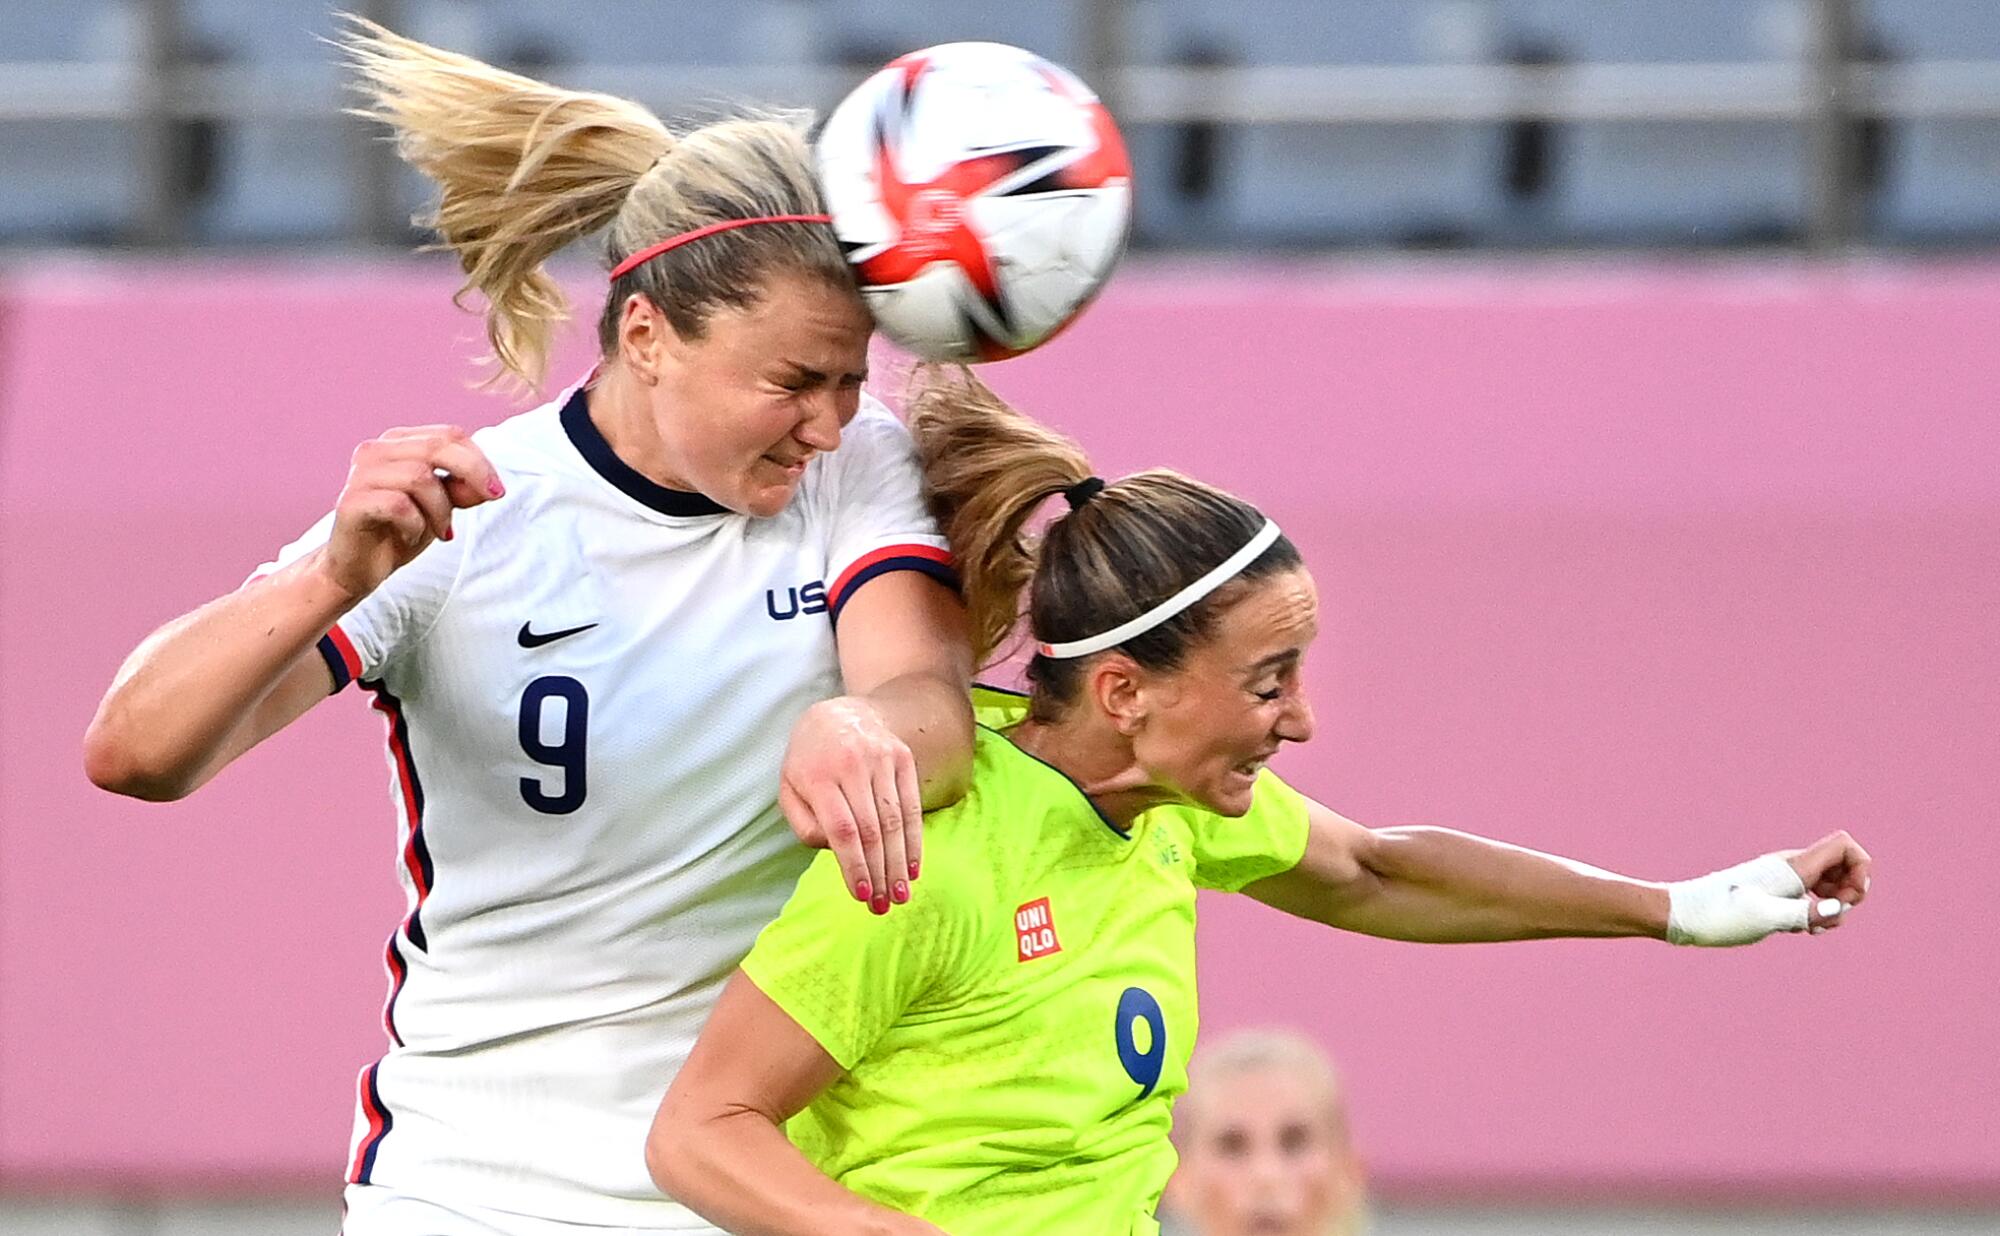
pixel 401 490
pixel 1810 889
pixel 850 785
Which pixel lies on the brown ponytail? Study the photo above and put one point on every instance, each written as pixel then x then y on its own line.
pixel 986 468
pixel 1131 546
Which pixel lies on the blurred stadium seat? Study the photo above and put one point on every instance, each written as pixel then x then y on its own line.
pixel 278 179
pixel 624 32
pixel 68 180
pixel 76 172
pixel 1941 178
pixel 1416 182
pixel 867 32
pixel 1668 180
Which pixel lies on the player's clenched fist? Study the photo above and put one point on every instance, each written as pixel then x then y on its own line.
pixel 1792 890
pixel 400 493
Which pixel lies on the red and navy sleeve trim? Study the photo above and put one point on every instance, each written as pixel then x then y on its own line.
pixel 361 1169
pixel 416 855
pixel 927 559
pixel 338 653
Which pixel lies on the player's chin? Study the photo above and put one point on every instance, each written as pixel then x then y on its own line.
pixel 769 488
pixel 764 499
pixel 1230 792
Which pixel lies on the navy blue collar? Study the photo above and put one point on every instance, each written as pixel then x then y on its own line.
pixel 598 454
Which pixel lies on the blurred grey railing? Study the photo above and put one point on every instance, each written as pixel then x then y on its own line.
pixel 1824 91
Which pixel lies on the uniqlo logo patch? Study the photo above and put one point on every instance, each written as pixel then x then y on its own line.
pixel 1035 930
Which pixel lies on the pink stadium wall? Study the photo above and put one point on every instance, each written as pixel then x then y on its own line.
pixel 1656 567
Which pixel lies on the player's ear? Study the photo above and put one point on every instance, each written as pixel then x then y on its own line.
pixel 645 339
pixel 1118 686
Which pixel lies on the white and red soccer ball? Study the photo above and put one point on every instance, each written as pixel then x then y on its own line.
pixel 982 194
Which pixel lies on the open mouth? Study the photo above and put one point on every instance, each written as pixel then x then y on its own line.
pixel 1251 767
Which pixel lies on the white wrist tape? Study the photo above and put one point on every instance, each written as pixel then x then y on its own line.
pixel 1737 905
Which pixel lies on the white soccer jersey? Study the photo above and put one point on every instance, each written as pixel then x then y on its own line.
pixel 588 692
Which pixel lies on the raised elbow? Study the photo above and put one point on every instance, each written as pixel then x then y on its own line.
pixel 114 763
pixel 667 1159
pixel 948 786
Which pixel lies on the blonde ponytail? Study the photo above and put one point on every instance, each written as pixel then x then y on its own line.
pixel 526 168
pixel 986 469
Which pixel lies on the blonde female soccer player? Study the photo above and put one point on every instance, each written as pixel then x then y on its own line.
pixel 1264 1143
pixel 1003 1057
pixel 591 629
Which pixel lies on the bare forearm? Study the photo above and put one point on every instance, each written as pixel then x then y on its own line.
pixel 932 714
pixel 179 702
pixel 738 1171
pixel 1442 886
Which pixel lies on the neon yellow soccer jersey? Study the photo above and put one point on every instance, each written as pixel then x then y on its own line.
pixel 1015 1036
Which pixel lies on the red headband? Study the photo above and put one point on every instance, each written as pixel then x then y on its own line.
pixel 674 242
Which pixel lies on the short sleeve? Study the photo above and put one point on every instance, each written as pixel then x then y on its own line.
pixel 878 522
pixel 1267 840
pixel 393 618
pixel 846 975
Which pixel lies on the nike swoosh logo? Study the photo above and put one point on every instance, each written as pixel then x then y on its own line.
pixel 532 639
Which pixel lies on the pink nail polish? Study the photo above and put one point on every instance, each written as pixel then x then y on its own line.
pixel 862 891
pixel 447 534
pixel 900 891
pixel 880 905
pixel 495 489
pixel 913 869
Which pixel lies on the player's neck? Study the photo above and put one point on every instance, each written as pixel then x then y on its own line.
pixel 1099 761
pixel 622 412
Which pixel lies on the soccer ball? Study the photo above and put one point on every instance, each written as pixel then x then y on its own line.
pixel 982 194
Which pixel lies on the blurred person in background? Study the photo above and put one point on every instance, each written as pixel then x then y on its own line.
pixel 1265 1146
pixel 603 635
pixel 1002 1058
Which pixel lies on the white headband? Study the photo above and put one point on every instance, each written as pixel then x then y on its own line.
pixel 1231 567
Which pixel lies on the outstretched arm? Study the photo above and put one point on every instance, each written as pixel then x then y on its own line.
pixel 1438 885
pixel 717 1144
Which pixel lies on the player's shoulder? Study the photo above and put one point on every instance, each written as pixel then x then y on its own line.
pixel 1232 851
pixel 873 437
pixel 978 853
pixel 1276 809
pixel 874 419
pixel 875 448
pixel 998 708
pixel 527 443
pixel 1012 806
pixel 1002 779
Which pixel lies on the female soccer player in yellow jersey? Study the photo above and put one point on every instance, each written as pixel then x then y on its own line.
pixel 1003 1057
